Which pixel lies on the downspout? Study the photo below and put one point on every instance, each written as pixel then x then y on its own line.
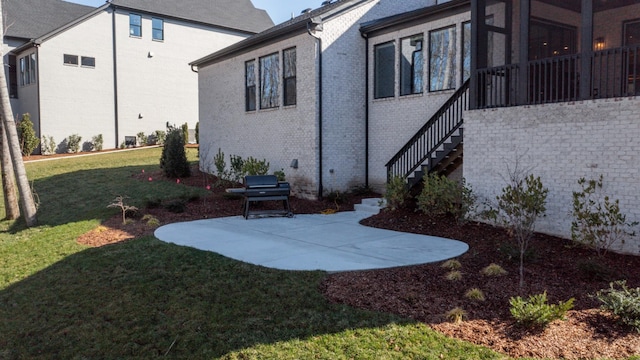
pixel 115 77
pixel 366 109
pixel 38 87
pixel 315 24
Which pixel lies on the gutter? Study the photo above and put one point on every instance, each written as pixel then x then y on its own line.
pixel 314 25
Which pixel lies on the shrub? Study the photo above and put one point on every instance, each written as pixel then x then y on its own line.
pixel 160 136
pixel 280 175
pixel 176 206
pixel 441 195
pixel 456 315
pixel 535 312
pixel 338 197
pixel 253 166
pixel 475 294
pixel 221 165
pixel 27 136
pixel 151 221
pixel 454 275
pixel 185 132
pixel 396 193
pixel 519 205
pixel 73 143
pixel 48 145
pixel 236 171
pixel 493 270
pixel 173 161
pixel 451 264
pixel 594 270
pixel 623 302
pixel 142 138
pixel 97 142
pixel 598 222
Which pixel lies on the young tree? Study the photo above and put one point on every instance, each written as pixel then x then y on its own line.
pixel 11 207
pixel 26 196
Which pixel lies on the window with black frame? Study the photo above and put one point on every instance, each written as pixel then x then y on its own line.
pixel 289 81
pixel 250 85
pixel 384 70
pixel 269 81
pixel 442 59
pixel 411 65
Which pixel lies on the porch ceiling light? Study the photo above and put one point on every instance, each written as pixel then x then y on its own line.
pixel 599 44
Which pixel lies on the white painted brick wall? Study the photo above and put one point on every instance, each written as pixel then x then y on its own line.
pixel 560 143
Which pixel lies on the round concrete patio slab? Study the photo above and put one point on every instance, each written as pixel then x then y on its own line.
pixel 335 242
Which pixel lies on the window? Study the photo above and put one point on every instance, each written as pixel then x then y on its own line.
pixel 289 83
pixel 250 85
pixel 28 67
pixel 442 58
pixel 158 29
pixel 384 70
pixel 13 76
pixel 135 25
pixel 70 59
pixel 411 65
pixel 88 61
pixel 269 76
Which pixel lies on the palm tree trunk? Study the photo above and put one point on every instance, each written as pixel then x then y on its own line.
pixel 26 196
pixel 11 208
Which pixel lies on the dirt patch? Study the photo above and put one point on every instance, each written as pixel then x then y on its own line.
pixel 423 293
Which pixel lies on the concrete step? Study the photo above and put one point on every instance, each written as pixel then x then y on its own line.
pixel 372 205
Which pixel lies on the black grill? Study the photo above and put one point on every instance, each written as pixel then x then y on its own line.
pixel 259 188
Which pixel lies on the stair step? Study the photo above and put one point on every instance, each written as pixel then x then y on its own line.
pixel 372 205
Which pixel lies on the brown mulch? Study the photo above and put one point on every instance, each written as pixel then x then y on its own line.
pixel 422 293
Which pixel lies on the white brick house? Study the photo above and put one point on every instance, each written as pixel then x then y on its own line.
pixel 118 69
pixel 551 85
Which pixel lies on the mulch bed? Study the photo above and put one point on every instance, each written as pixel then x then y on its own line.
pixel 423 293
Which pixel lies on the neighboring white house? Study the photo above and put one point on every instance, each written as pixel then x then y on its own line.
pixel 356 90
pixel 118 69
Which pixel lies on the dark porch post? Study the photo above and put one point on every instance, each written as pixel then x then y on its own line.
pixel 523 59
pixel 478 49
pixel 586 49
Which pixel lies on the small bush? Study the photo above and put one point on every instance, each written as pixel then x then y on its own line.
pixel 362 189
pixel 338 197
pixel 173 161
pixel 73 143
pixel 142 138
pixel 255 167
pixel 623 302
pixel 27 135
pixel 535 312
pixel 456 315
pixel 454 275
pixel 280 175
pixel 176 206
pixel 97 142
pixel 48 145
pixel 598 221
pixel 396 193
pixel 151 221
pixel 475 294
pixel 185 132
pixel 594 270
pixel 451 264
pixel 441 195
pixel 493 270
pixel 160 136
pixel 236 164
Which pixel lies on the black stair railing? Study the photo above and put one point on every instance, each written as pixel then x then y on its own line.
pixel 442 125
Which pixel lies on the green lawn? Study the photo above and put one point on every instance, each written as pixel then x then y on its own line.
pixel 147 299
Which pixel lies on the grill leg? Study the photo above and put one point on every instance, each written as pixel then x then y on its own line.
pixel 246 208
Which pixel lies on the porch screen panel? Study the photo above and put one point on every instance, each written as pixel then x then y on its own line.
pixel 442 59
pixel 269 81
pixel 384 69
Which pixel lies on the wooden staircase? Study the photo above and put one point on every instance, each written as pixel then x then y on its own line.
pixel 437 146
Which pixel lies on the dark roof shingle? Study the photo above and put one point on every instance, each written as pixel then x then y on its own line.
pixel 28 19
pixel 232 14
